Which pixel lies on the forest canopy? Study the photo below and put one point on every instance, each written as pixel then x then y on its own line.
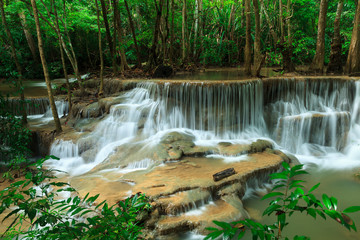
pixel 147 33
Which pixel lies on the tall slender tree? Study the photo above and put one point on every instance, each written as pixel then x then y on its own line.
pixel 101 89
pixel 28 36
pixel 17 63
pixel 118 24
pixel 108 35
pixel 248 38
pixel 184 33
pixel 45 69
pixel 153 57
pixel 318 61
pixel 353 59
pixel 335 64
pixel 172 33
pixel 131 22
pixel 288 48
pixel 258 58
pixel 63 62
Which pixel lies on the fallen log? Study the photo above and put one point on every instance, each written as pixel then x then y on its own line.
pixel 224 174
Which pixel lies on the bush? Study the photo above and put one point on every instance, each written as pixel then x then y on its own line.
pixel 14 137
pixel 36 201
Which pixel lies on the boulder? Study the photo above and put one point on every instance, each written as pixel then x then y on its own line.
pixel 260 145
pixel 173 145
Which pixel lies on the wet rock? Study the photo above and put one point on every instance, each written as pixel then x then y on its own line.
pixel 92 110
pixel 235 201
pixel 92 83
pixel 89 155
pixel 260 145
pixel 106 103
pixel 41 142
pixel 115 85
pixel 224 144
pixel 198 151
pixel 234 149
pixel 173 145
pixel 236 188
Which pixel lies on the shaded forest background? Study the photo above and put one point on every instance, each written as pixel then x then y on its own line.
pixel 185 34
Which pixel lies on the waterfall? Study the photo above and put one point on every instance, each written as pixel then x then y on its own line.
pixel 34 106
pixel 308 117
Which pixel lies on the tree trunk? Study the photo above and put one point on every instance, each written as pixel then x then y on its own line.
pixel 318 61
pixel 71 53
pixel 17 63
pixel 257 43
pixel 153 61
pixel 269 22
pixel 57 30
pixel 133 34
pixel 335 64
pixel 124 65
pixel 248 38
pixel 196 26
pixel 287 49
pixel 281 23
pixel 29 37
pixel 45 69
pixel 201 32
pixel 172 37
pixel 101 89
pixel 184 33
pixel 108 36
pixel 164 30
pixel 353 60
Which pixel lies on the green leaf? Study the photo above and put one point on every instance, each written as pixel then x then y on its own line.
pixel 326 201
pixel 333 202
pixel 271 209
pixel 286 166
pixel 314 187
pixel 272 194
pixel 311 212
pixel 214 235
pixel 352 209
pixel 223 225
pixel 281 175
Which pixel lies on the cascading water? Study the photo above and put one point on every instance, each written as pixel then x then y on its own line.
pixel 317 120
pixel 306 117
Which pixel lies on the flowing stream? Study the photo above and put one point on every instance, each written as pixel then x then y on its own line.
pixel 316 119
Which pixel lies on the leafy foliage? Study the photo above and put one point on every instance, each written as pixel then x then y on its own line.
pixel 285 203
pixel 37 200
pixel 14 137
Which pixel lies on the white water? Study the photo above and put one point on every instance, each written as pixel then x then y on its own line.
pixel 308 118
pixel 317 121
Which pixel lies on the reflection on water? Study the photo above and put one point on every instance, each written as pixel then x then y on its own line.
pixel 340 184
pixel 222 74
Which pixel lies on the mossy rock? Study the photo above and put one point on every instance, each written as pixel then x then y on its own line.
pixel 260 145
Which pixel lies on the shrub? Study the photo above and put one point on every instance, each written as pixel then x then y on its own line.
pixel 36 201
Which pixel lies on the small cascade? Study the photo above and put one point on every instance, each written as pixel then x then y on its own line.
pixel 64 149
pixel 138 165
pixel 301 114
pixel 39 106
pixel 34 106
pixel 62 108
